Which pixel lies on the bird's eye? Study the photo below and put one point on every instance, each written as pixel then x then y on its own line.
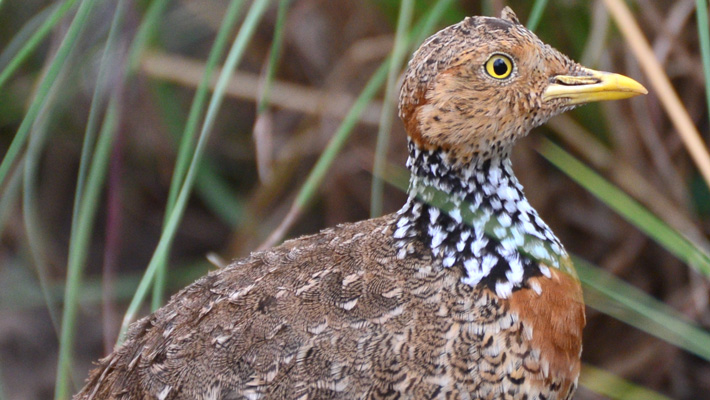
pixel 499 66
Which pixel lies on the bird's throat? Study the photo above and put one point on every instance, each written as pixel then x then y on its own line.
pixel 475 217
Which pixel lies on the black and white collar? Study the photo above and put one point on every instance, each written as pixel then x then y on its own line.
pixel 475 216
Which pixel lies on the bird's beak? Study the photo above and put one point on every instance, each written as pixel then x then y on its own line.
pixel 592 86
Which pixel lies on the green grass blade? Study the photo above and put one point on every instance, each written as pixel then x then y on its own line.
pixel 610 385
pixel 616 298
pixel 29 165
pixel 2 384
pixel 260 130
pixel 253 17
pixel 10 194
pixel 35 40
pixel 25 34
pixel 337 142
pixel 341 135
pixel 198 103
pixel 401 46
pixel 90 178
pixel 98 99
pixel 186 148
pixel 218 195
pixel 20 295
pixel 426 26
pixel 215 191
pixel 45 85
pixel 274 57
pixel 536 14
pixel 78 249
pixel 701 13
pixel 16 293
pixel 34 231
pixel 628 208
pixel 145 33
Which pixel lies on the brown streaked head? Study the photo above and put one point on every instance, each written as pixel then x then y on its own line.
pixel 475 87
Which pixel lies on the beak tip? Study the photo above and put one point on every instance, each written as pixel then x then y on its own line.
pixel 639 90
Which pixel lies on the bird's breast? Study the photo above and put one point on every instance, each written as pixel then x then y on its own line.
pixel 553 318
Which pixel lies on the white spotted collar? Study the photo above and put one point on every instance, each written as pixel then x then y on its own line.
pixel 475 216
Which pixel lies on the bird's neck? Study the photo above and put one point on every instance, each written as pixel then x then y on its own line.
pixel 475 216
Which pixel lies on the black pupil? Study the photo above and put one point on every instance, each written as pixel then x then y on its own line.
pixel 500 67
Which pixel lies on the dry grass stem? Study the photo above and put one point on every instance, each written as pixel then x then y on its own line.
pixel 280 232
pixel 661 85
pixel 245 85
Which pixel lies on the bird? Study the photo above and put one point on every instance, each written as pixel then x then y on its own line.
pixel 463 293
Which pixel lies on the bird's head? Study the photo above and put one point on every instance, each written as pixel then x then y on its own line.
pixel 475 87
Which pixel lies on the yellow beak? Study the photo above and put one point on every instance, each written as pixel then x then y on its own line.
pixel 595 86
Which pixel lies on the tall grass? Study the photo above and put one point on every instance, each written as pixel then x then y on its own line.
pixel 120 71
pixel 252 18
pixel 187 139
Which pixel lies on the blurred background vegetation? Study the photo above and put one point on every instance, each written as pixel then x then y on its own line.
pixel 118 159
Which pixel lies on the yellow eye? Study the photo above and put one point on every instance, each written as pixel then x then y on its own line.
pixel 499 66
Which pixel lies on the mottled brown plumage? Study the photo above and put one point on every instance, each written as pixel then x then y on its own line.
pixel 473 299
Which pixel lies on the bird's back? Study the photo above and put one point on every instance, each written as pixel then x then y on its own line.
pixel 333 315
